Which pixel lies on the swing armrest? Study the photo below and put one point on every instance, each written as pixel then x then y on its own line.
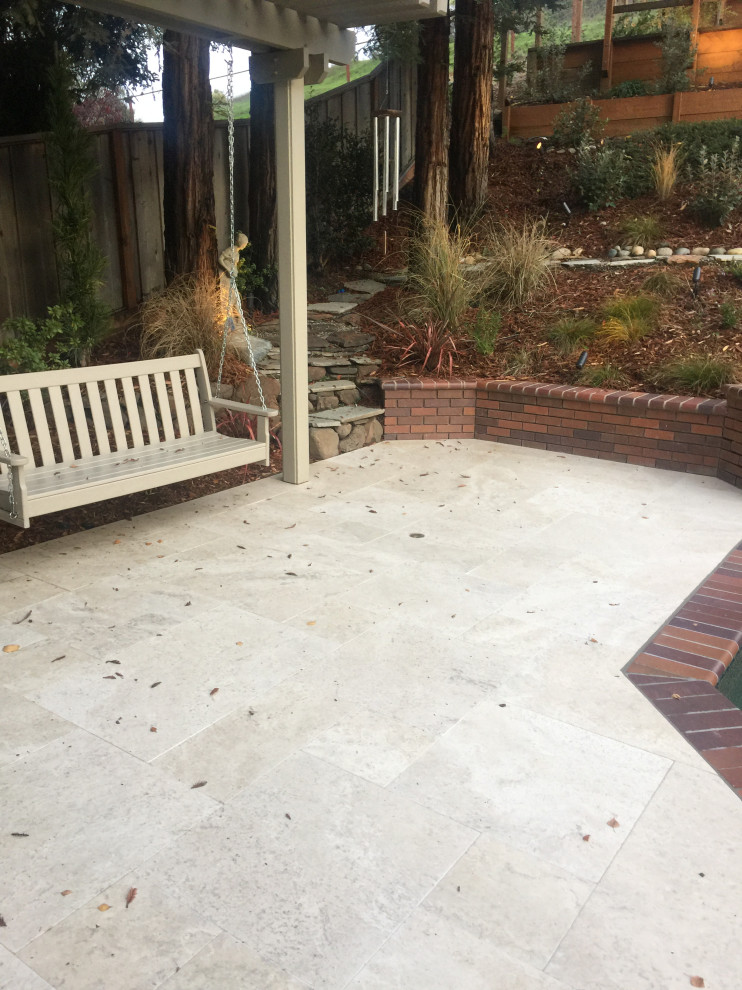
pixel 242 407
pixel 15 460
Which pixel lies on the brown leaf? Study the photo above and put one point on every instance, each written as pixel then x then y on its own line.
pixel 156 683
pixel 11 648
pixel 288 816
pixel 58 658
pixel 109 677
pixel 66 892
pixel 212 692
pixel 677 697
pixel 19 835
pixel 19 621
pixel 104 907
pixel 116 541
pixel 613 823
pixel 585 838
pixel 199 783
pixel 153 728
pixel 2 922
pixel 130 896
pixel 697 981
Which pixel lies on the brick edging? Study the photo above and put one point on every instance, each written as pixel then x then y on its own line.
pixel 679 668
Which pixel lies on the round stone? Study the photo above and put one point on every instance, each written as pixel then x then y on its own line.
pixel 682 250
pixel 624 254
pixel 664 252
pixel 637 251
pixel 700 252
pixel 718 250
pixel 651 253
pixel 612 253
pixel 561 253
pixel 735 250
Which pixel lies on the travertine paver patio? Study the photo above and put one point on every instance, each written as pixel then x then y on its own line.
pixel 401 685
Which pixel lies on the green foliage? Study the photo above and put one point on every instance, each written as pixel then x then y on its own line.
pixel 551 85
pixel 251 279
pixel 579 123
pixel 394 41
pixel 443 288
pixel 33 345
pixel 664 284
pixel 730 314
pixel 678 54
pixel 523 361
pixel 735 270
pixel 518 257
pixel 707 136
pixel 630 87
pixel 633 25
pixel 644 231
pixel 572 332
pixel 485 329
pixel 718 185
pixel 339 170
pixel 600 174
pixel 628 319
pixel 604 376
pixel 698 375
pixel 79 259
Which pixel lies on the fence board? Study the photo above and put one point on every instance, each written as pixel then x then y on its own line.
pixel 104 221
pixel 36 243
pixel 147 197
pixel 12 284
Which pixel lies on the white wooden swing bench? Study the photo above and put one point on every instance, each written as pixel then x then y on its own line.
pixel 82 435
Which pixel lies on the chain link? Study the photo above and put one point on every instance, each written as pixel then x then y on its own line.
pixel 233 299
pixel 11 489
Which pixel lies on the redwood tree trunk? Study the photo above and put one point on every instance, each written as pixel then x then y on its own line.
pixel 188 157
pixel 471 104
pixel 262 188
pixel 431 134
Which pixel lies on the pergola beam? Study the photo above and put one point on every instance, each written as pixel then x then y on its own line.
pixel 258 25
pixel 348 14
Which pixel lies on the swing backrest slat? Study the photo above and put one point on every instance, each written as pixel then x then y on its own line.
pixel 61 423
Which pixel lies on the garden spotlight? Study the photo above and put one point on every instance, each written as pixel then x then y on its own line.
pixel 696 281
pixel 581 361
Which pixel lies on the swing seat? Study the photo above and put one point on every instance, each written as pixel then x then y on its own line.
pixel 86 434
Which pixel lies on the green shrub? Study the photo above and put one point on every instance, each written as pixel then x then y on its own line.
pixel 678 55
pixel 339 171
pixel 735 270
pixel 579 123
pixel 713 136
pixel 32 345
pixel 604 376
pixel 600 175
pixel 631 87
pixel 718 185
pixel 730 315
pixel 485 329
pixel 572 332
pixel 699 375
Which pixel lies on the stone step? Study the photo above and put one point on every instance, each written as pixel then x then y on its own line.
pixel 334 308
pixel 320 388
pixel 365 286
pixel 343 414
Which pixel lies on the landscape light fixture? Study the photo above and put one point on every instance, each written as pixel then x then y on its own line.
pixel 711 82
pixel 696 281
pixel 581 361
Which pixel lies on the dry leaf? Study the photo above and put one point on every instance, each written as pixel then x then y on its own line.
pixel 238 643
pixel 156 683
pixel 2 922
pixel 17 622
pixel 312 622
pixel 66 892
pixel 11 648
pixel 212 692
pixel 585 838
pixel 153 728
pixel 613 823
pixel 19 835
pixel 199 783
pixel 677 697
pixel 130 896
pixel 697 981
pixel 104 907
pixel 116 541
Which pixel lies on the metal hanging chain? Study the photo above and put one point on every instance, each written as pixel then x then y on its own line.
pixel 234 298
pixel 11 489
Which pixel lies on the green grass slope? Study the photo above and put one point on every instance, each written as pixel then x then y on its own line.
pixel 335 77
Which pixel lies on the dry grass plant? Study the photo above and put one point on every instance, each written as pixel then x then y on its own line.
pixel 698 375
pixel 443 288
pixel 664 168
pixel 518 258
pixel 665 285
pixel 628 319
pixel 189 314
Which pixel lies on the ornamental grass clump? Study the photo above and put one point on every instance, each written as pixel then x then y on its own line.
pixel 518 261
pixel 572 332
pixel 644 231
pixel 664 168
pixel 604 376
pixel 628 319
pixel 665 285
pixel 429 346
pixel 698 375
pixel 443 288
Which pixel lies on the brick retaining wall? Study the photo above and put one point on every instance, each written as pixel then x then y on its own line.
pixel 699 436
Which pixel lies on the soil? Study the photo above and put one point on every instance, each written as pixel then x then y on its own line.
pixel 686 326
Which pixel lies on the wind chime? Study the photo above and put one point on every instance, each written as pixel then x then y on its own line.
pixel 386 160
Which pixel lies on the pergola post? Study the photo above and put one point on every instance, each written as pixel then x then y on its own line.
pixel 287 71
pixel 606 71
pixel 576 20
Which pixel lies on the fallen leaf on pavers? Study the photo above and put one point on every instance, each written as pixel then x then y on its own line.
pixel 697 981
pixel 115 542
pixel 65 893
pixel 238 643
pixel 104 907
pixel 153 728
pixel 585 838
pixel 19 621
pixel 109 677
pixel 58 658
pixel 312 622
pixel 11 648
pixel 130 896
pixel 199 783
pixel 212 692
pixel 19 835
pixel 2 922
pixel 613 823
pixel 417 536
pixel 676 697
pixel 156 683
pixel 292 526
pixel 292 573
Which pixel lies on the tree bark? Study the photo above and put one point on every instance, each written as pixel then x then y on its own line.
pixel 262 188
pixel 188 157
pixel 431 134
pixel 471 104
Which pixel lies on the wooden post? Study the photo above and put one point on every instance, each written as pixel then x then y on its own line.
pixel 539 27
pixel 576 20
pixel 606 70
pixel 512 44
pixel 695 18
pixel 677 107
pixel 502 89
pixel 127 260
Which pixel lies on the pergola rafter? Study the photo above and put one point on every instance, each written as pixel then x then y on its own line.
pixel 293 42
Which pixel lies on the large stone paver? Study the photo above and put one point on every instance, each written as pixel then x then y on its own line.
pixel 399 691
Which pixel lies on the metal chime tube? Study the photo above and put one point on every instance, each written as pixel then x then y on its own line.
pixel 376 168
pixel 386 166
pixel 397 138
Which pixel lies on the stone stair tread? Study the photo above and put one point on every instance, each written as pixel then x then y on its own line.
pixel 336 308
pixel 337 386
pixel 343 414
pixel 367 286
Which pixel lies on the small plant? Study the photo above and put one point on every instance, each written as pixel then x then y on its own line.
pixel 443 289
pixel 518 261
pixel 730 315
pixel 664 285
pixel 678 55
pixel 523 361
pixel 664 168
pixel 250 278
pixel 600 175
pixel 485 329
pixel 698 375
pixel 32 345
pixel 579 123
pixel 719 185
pixel 572 332
pixel 429 346
pixel 630 87
pixel 735 271
pixel 604 376
pixel 629 319
pixel 644 231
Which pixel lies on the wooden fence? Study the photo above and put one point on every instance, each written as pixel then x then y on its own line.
pixel 628 114
pixel 127 195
